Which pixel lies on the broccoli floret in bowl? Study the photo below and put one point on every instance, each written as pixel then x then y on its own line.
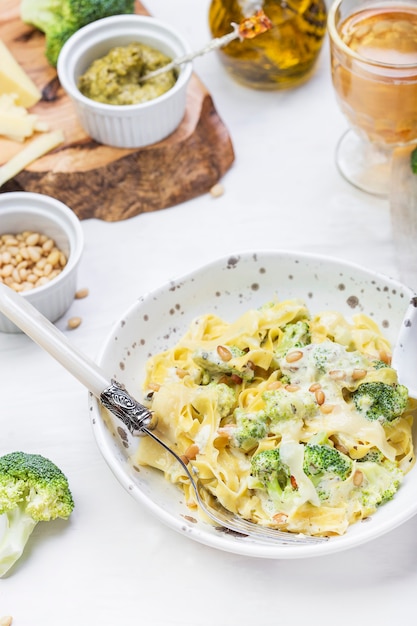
pixel 379 401
pixel 269 473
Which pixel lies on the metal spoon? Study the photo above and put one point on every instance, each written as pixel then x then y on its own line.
pixel 248 28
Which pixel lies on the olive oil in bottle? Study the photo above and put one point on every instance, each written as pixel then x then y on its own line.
pixel 282 57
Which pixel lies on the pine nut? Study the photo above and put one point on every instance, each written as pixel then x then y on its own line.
pixel 292 388
pixel 217 190
pixel 320 397
pixel 337 374
pixel 7 270
pixel 73 322
pixel 32 239
pixel 276 384
pixel 341 448
pixel 27 257
pixel 280 518
pixel 314 387
pixel 326 408
pixel 53 257
pixel 47 269
pixel 294 356
pixel 42 280
pixel 357 478
pixel 358 374
pixel 385 357
pixel 81 293
pixel 192 451
pixel 48 245
pixel 224 353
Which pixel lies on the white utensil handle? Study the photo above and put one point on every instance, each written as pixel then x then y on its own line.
pixel 111 394
pixel 44 333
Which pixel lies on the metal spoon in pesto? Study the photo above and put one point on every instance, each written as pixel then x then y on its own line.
pixel 249 28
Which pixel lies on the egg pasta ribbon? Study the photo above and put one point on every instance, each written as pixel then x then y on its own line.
pixel 291 420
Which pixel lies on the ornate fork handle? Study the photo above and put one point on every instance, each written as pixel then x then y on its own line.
pixel 133 414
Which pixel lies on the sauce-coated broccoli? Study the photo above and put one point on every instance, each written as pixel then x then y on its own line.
pixel 322 459
pixel 281 404
pixel 295 335
pixel 325 465
pixel 59 19
pixel 379 401
pixel 32 490
pixel 250 428
pixel 227 360
pixel 272 474
pixel 381 481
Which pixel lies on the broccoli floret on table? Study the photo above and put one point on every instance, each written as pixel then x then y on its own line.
pixel 59 19
pixel 379 401
pixel 295 335
pixel 32 490
pixel 272 475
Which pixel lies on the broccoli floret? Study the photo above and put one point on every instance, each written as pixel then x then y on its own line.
pixel 379 365
pixel 226 398
pixel 322 459
pixel 381 481
pixel 272 475
pixel 325 465
pixel 295 335
pixel 251 428
pixel 379 401
pixel 220 360
pixel 281 404
pixel 373 455
pixel 59 19
pixel 32 489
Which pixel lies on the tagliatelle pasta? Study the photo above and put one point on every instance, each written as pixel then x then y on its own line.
pixel 292 421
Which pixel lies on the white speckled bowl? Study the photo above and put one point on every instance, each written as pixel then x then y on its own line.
pixel 20 211
pixel 133 125
pixel 228 287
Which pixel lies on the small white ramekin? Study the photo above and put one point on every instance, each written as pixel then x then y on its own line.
pixel 21 211
pixel 133 125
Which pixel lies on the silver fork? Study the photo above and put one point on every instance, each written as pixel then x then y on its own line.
pixel 141 421
pixel 229 520
pixel 137 418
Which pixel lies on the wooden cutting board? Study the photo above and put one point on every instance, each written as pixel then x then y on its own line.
pixel 98 181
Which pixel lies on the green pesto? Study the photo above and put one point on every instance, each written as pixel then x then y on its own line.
pixel 115 78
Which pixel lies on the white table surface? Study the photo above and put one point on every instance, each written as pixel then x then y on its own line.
pixel 113 562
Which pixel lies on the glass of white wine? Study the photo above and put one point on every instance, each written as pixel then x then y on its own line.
pixel 373 45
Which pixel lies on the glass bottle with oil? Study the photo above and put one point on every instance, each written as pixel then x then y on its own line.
pixel 282 57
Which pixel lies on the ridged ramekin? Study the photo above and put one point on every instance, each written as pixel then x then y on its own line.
pixel 133 125
pixel 24 211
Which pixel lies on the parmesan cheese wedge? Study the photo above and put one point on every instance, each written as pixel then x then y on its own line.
pixel 14 127
pixel 13 79
pixel 15 121
pixel 34 150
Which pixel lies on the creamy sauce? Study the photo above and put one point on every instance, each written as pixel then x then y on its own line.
pixel 115 78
